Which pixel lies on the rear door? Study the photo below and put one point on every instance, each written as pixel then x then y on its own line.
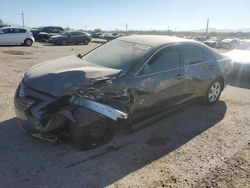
pixel 20 35
pixel 200 68
pixel 75 37
pixel 159 85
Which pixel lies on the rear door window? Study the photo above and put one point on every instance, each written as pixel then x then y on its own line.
pixel 20 30
pixel 208 56
pixel 191 54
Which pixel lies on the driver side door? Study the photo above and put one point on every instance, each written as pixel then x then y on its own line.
pixel 159 85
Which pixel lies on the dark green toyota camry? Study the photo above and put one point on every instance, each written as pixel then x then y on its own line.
pixel 128 82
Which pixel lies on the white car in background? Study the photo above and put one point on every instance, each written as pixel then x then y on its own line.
pixel 230 43
pixel 15 36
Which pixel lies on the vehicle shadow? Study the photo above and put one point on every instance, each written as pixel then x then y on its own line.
pixel 29 162
pixel 14 46
pixel 57 45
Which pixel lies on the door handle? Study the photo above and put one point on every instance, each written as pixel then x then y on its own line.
pixel 179 76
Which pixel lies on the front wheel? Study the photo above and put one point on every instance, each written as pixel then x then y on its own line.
pixel 93 135
pixel 86 42
pixel 64 42
pixel 213 93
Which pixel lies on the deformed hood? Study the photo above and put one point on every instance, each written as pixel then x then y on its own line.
pixel 57 77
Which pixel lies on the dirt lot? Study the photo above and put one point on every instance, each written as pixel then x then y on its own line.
pixel 199 146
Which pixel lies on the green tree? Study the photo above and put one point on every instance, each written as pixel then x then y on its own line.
pixel 97 30
pixel 1 21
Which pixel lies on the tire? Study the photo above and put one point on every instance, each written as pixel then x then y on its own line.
pixel 86 42
pixel 64 42
pixel 28 42
pixel 213 92
pixel 93 135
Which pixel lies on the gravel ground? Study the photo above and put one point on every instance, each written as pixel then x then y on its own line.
pixel 198 146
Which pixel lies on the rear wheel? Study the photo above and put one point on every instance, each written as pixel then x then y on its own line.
pixel 28 42
pixel 213 93
pixel 93 135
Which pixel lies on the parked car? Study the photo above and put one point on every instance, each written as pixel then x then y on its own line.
pixel 110 36
pixel 229 43
pixel 44 33
pixel 244 44
pixel 200 38
pixel 15 36
pixel 70 37
pixel 96 35
pixel 127 82
pixel 212 42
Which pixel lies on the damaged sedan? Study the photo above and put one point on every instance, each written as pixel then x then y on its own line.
pixel 128 82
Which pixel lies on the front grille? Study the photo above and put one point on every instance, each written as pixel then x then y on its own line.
pixel 22 99
pixel 23 103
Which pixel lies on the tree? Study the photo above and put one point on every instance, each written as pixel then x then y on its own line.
pixel 97 30
pixel 1 21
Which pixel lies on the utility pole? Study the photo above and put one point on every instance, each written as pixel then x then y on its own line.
pixel 23 18
pixel 207 27
pixel 126 28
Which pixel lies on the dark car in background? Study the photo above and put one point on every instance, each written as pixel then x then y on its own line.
pixel 70 37
pixel 44 33
pixel 96 35
pixel 127 82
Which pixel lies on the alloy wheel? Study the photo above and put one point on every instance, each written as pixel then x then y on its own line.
pixel 214 91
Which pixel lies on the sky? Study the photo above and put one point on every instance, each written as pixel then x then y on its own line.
pixel 176 15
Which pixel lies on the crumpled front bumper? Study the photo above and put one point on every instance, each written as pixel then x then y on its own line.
pixel 29 109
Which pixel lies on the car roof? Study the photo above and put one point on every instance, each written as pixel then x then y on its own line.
pixel 154 40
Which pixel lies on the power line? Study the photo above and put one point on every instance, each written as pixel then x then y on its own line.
pixel 207 26
pixel 22 18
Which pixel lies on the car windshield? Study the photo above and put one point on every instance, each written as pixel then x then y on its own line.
pixel 117 54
